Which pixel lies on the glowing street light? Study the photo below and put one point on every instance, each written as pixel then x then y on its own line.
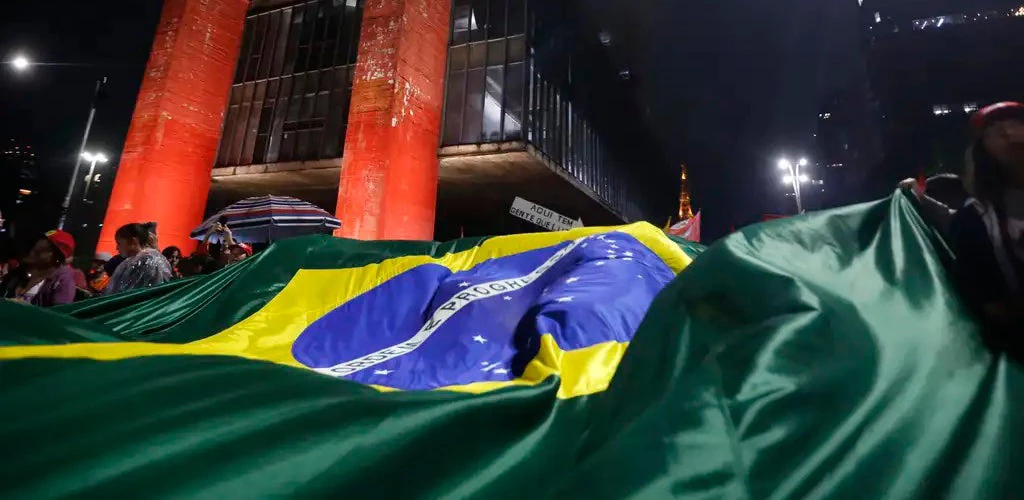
pixel 93 159
pixel 793 177
pixel 20 63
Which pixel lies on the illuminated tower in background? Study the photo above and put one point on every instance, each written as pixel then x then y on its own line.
pixel 685 209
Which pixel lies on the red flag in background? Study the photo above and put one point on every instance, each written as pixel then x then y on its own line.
pixel 688 229
pixel 922 182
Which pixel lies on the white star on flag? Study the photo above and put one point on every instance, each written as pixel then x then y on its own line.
pixel 383 372
pixel 584 245
pixel 627 254
pixel 599 263
pixel 507 298
pixel 628 258
pixel 463 284
pixel 562 300
pixel 615 246
pixel 571 280
pixel 480 339
pixel 612 257
pixel 640 276
pixel 501 371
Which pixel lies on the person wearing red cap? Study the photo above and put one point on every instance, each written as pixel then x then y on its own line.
pixel 987 234
pixel 237 252
pixel 45 279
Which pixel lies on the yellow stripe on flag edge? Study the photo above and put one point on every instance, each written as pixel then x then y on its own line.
pixel 313 293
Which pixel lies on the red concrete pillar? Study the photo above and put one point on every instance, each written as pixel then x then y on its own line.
pixel 164 174
pixel 389 173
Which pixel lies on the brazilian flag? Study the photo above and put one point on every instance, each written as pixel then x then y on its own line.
pixel 823 356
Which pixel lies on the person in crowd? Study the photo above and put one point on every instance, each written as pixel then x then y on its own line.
pixel 111 265
pixel 173 256
pixel 230 251
pixel 236 252
pixel 197 265
pixel 987 234
pixel 44 279
pixel 97 276
pixel 144 265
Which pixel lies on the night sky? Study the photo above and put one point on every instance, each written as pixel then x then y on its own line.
pixel 729 85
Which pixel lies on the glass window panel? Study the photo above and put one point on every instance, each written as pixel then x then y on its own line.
pixel 331 145
pixel 492 104
pixel 266 117
pixel 457 58
pixel 259 153
pixel 225 145
pixel 261 91
pixel 320 108
pixel 517 49
pixel 245 53
pixel 269 44
pixel 281 45
pixel 250 132
pixel 514 86
pixel 473 116
pixel 462 22
pixel 516 17
pixel 496 19
pixel 340 78
pixel 496 53
pixel 298 16
pixel 306 113
pixel 351 34
pixel 301 58
pixel 309 19
pixel 260 44
pixel 477 20
pixel 326 81
pixel 477 55
pixel 287 146
pixel 236 95
pixel 302 145
pixel 238 134
pixel 453 109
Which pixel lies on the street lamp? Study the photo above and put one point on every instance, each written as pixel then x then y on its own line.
pixel 794 178
pixel 93 159
pixel 21 63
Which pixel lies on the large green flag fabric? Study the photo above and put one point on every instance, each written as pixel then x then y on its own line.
pixel 820 356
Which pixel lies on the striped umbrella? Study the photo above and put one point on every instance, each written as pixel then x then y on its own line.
pixel 268 218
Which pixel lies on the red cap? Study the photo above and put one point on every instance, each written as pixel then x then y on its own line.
pixel 64 241
pixel 999 111
pixel 247 248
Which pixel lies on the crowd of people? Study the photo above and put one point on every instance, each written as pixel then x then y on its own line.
pixel 46 275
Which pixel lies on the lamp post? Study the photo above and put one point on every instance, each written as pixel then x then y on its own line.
pixel 794 177
pixel 21 64
pixel 93 159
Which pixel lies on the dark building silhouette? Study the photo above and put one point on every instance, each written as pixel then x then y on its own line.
pixel 849 145
pixel 931 64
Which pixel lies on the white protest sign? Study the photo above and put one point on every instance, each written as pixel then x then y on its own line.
pixel 543 217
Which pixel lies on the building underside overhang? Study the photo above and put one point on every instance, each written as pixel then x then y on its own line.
pixel 477 186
